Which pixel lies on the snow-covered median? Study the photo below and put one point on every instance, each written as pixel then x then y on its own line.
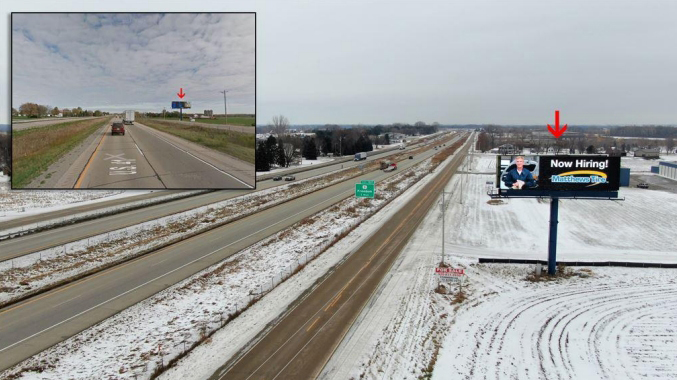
pixel 153 332
pixel 20 203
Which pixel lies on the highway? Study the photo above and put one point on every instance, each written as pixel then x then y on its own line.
pixel 37 323
pixel 302 342
pixel 19 125
pixel 20 246
pixel 144 158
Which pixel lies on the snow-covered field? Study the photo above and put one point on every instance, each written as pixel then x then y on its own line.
pixel 641 165
pixel 165 325
pixel 597 323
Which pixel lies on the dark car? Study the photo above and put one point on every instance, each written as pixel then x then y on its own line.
pixel 411 157
pixel 289 178
pixel 643 185
pixel 277 178
pixel 118 128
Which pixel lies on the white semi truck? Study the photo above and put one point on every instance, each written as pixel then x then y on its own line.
pixel 128 117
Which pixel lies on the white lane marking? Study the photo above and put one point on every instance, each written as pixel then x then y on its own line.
pixel 137 148
pixel 203 161
pixel 59 304
pixel 170 272
pixel 159 262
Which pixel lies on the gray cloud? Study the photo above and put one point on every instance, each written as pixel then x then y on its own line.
pixel 484 61
pixel 118 61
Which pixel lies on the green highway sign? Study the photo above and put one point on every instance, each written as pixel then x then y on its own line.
pixel 367 182
pixel 364 190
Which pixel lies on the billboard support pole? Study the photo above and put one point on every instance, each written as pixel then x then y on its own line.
pixel 181 114
pixel 552 239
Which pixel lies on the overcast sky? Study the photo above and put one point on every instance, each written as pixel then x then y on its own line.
pixel 504 62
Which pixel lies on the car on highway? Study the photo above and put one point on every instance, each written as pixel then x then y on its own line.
pixel 411 157
pixel 289 178
pixel 277 178
pixel 118 128
pixel 643 185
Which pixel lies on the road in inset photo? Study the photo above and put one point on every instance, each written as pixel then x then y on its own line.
pixel 146 158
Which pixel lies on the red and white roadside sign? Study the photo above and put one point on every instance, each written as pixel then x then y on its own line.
pixel 450 272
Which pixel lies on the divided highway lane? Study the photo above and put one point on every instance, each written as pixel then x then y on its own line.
pixel 301 342
pixel 144 158
pixel 20 246
pixel 27 124
pixel 35 324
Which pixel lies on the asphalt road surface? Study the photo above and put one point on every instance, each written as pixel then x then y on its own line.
pixel 33 325
pixel 27 124
pixel 20 246
pixel 144 158
pixel 301 343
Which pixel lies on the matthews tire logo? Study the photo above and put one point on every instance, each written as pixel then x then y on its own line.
pixel 574 172
pixel 593 177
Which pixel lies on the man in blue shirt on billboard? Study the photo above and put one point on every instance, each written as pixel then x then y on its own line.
pixel 519 177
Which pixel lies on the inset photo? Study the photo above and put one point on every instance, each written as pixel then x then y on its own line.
pixel 133 100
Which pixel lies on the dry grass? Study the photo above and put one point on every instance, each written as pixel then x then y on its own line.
pixel 34 150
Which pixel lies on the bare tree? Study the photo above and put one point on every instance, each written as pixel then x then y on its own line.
pixel 670 144
pixel 288 153
pixel 280 125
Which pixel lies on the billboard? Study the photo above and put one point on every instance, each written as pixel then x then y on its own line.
pixel 178 104
pixel 558 173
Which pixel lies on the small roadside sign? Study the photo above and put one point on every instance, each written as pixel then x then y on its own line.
pixel 364 190
pixel 367 182
pixel 450 272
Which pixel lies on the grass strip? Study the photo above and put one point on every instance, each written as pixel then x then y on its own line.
pixel 236 144
pixel 35 149
pixel 239 121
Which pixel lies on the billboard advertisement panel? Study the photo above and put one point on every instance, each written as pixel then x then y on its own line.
pixel 558 173
pixel 180 104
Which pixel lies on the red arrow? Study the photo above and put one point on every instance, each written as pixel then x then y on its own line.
pixel 181 94
pixel 557 132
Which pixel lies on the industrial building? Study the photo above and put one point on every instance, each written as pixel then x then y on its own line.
pixel 668 170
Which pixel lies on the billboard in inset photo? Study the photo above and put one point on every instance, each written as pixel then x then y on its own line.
pixel 558 173
pixel 100 100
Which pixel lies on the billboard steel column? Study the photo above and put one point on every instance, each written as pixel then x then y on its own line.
pixel 552 239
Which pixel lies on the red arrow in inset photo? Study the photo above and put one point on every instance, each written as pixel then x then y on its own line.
pixel 181 94
pixel 557 132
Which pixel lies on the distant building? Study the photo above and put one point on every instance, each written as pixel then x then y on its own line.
pixel 648 153
pixel 668 170
pixel 507 149
pixel 209 113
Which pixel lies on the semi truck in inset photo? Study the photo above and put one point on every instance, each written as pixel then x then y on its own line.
pixel 128 117
pixel 360 156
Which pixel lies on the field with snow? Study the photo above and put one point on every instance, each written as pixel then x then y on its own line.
pixel 592 323
pixel 641 165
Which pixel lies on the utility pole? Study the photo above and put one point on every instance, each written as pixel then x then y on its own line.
pixel 443 217
pixel 225 105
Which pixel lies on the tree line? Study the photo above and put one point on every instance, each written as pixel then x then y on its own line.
pixel 282 148
pixel 33 110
